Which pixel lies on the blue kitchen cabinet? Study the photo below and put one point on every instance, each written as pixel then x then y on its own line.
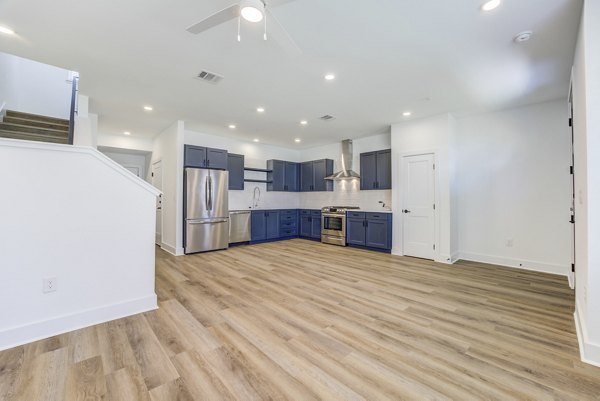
pixel 288 223
pixel 282 176
pixel 202 157
pixel 355 229
pixel 376 170
pixel 310 224
pixel 306 177
pixel 265 225
pixel 370 230
pixel 313 173
pixel 235 166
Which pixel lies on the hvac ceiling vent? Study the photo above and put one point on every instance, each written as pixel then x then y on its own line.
pixel 209 77
pixel 327 117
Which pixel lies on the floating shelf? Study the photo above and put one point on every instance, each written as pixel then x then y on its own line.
pixel 260 181
pixel 260 170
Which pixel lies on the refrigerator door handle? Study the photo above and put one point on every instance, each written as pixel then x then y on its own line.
pixel 210 190
pixel 208 222
pixel 206 193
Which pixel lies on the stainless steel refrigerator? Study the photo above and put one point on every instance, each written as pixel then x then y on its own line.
pixel 206 210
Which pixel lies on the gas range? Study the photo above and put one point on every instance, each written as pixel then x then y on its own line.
pixel 333 224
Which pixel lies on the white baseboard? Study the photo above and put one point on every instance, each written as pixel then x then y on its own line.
pixel 171 249
pixel 444 258
pixel 39 330
pixel 517 263
pixel 588 351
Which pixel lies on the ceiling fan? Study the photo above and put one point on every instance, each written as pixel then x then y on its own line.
pixel 253 11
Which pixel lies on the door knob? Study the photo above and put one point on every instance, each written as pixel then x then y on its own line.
pixel 406 211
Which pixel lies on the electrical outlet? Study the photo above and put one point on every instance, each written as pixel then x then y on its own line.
pixel 509 243
pixel 50 285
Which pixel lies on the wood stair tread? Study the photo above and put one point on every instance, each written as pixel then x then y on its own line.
pixel 35 123
pixel 33 137
pixel 33 130
pixel 36 117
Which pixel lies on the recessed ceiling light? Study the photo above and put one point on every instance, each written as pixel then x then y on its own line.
pixel 297 140
pixel 256 140
pixel 127 133
pixel 232 126
pixel 6 30
pixel 252 10
pixel 490 5
pixel 260 109
pixel 148 108
pixel 407 114
pixel 329 77
pixel 303 122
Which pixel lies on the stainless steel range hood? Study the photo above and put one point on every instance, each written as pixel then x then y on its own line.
pixel 346 173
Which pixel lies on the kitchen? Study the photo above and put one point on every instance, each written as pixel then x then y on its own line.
pixel 288 199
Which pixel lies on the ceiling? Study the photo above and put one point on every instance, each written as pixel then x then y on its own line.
pixel 389 56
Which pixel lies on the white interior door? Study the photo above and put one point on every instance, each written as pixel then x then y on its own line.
pixel 135 170
pixel 418 206
pixel 157 182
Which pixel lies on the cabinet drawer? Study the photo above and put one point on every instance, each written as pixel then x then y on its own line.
pixel 305 212
pixel 356 215
pixel 287 224
pixel 288 213
pixel 377 216
pixel 315 213
pixel 287 217
pixel 288 232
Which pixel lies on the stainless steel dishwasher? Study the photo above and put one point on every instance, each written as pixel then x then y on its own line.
pixel 239 226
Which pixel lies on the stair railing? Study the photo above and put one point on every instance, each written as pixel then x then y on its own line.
pixel 74 90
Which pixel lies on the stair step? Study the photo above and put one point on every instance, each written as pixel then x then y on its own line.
pixel 34 123
pixel 36 117
pixel 34 130
pixel 32 137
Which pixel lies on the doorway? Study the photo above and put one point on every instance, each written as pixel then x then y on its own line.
pixel 572 221
pixel 418 206
pixel 156 177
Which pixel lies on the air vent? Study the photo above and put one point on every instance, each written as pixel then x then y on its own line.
pixel 327 117
pixel 210 77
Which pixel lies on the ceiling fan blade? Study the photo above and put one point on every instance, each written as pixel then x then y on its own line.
pixel 278 33
pixel 231 12
pixel 277 3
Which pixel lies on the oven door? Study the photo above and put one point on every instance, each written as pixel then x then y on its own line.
pixel 333 224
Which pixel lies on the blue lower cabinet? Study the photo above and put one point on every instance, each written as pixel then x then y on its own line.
pixel 265 225
pixel 370 230
pixel 310 224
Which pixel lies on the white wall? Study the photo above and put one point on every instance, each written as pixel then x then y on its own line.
pixel 168 148
pixel 128 159
pixel 73 214
pixel 126 142
pixel 514 185
pixel 427 135
pixel 31 87
pixel 586 103
pixel 347 193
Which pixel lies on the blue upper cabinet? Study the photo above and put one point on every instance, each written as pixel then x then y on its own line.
pixel 376 170
pixel 235 166
pixel 292 177
pixel 282 176
pixel 202 157
pixel 306 177
pixel 313 173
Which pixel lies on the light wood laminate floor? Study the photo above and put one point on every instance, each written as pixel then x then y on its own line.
pixel 299 320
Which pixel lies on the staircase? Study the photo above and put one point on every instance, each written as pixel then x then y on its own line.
pixel 32 127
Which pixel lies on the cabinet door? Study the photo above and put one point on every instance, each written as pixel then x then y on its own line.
pixel 194 156
pixel 377 234
pixel 277 175
pixel 355 231
pixel 384 169
pixel 292 176
pixel 216 158
pixel 368 171
pixel 316 227
pixel 259 225
pixel 235 166
pixel 306 177
pixel 322 168
pixel 272 225
pixel 305 226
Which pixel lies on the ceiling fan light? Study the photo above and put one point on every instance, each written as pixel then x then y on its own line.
pixel 252 10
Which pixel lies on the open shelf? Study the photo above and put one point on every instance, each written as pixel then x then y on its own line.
pixel 260 181
pixel 260 170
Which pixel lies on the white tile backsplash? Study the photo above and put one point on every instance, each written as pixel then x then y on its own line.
pixel 347 193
